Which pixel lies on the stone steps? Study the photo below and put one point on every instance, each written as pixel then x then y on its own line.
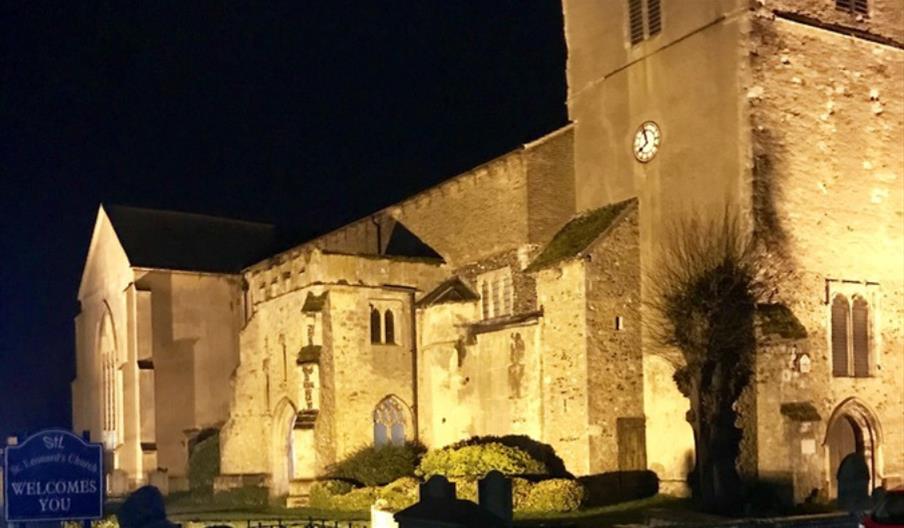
pixel 299 493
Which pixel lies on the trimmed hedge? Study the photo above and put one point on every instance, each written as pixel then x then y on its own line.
pixel 544 453
pixel 475 461
pixel 376 466
pixel 554 495
pixel 204 464
pixel 400 494
pixel 340 495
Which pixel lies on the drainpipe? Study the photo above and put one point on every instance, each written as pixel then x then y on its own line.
pixel 374 220
pixel 414 384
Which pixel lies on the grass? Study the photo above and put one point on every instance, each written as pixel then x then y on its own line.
pixel 636 511
pixel 577 234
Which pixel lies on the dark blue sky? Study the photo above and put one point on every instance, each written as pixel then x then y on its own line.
pixel 304 114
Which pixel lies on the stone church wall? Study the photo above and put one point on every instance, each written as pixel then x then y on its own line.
pixel 193 320
pixel 562 293
pixel 366 373
pixel 885 18
pixel 442 354
pixel 614 357
pixel 827 116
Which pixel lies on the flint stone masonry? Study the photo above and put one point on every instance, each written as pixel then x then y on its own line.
pixel 787 113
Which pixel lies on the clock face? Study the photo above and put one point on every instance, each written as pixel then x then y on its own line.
pixel 646 141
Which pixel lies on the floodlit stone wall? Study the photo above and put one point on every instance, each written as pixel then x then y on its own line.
pixel 526 195
pixel 885 18
pixel 827 119
pixel 614 355
pixel 562 293
pixel 169 329
pixel 353 374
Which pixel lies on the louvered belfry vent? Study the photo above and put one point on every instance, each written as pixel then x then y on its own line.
pixel 859 7
pixel 654 17
pixel 635 20
pixel 644 19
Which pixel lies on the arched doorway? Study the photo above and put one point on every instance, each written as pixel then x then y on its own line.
pixel 853 427
pixel 282 454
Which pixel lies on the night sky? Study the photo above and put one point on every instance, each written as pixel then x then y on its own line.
pixel 303 114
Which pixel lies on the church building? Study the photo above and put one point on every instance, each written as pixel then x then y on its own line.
pixel 510 298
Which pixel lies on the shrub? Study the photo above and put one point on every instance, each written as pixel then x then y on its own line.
pixel 372 466
pixel 554 495
pixel 359 499
pixel 520 492
pixel 204 463
pixel 400 493
pixel 475 461
pixel 465 488
pixel 603 489
pixel 544 453
pixel 323 491
pixel 341 496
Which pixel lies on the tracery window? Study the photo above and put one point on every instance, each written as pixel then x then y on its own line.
pixel 384 322
pixel 112 383
pixel 389 422
pixel 850 336
pixel 840 314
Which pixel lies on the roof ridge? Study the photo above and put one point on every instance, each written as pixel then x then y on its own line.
pixel 108 207
pixel 572 238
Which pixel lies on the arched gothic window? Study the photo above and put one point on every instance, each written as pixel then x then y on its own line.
pixel 860 336
pixel 840 312
pixel 389 422
pixel 112 382
pixel 376 332
pixel 389 327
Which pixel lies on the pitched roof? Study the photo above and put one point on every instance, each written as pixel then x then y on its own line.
pixel 451 290
pixel 579 233
pixel 779 320
pixel 404 243
pixel 190 242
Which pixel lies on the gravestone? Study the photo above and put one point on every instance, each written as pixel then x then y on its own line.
pixel 119 483
pixel 437 487
pixel 494 494
pixel 160 480
pixel 438 507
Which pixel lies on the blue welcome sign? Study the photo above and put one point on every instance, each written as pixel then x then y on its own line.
pixel 54 475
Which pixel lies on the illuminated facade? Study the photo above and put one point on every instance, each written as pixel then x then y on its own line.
pixel 508 300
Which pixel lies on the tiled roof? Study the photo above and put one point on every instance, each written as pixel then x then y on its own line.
pixel 579 233
pixel 404 243
pixel 190 242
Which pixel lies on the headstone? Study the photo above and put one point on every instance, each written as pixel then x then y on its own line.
pixel 494 494
pixel 438 487
pixel 853 483
pixel 381 518
pixel 119 483
pixel 160 480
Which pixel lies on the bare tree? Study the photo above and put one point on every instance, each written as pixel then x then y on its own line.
pixel 703 296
